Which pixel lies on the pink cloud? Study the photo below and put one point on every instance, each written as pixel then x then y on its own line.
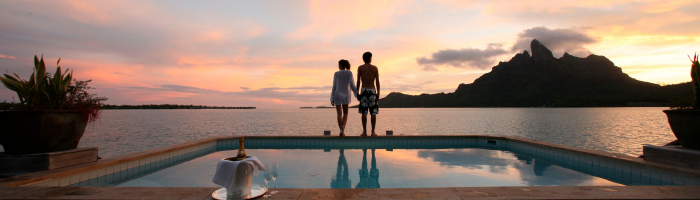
pixel 329 19
pixel 7 57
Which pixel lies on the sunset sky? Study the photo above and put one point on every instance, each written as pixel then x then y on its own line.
pixel 275 54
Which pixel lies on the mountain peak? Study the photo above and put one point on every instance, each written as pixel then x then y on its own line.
pixel 542 80
pixel 540 53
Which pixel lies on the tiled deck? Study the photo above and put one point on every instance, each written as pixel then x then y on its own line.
pixel 544 192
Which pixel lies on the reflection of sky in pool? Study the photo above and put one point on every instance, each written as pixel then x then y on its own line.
pixel 381 168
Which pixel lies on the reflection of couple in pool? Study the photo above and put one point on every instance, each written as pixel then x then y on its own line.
pixel 368 179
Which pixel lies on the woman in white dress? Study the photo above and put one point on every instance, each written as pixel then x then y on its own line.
pixel 343 84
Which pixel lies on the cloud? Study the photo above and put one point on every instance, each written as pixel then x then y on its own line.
pixel 330 19
pixel 571 40
pixel 463 58
pixel 7 57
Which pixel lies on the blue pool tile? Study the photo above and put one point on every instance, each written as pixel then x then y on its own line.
pixel 666 177
pixel 443 184
pixel 655 176
pixel 428 184
pixel 93 182
pixel 439 180
pixel 677 179
pixel 82 184
pixel 691 181
pixel 102 180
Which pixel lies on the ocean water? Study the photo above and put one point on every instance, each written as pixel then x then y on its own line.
pixel 616 130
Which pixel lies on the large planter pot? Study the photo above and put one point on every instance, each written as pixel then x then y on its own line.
pixel 686 126
pixel 26 132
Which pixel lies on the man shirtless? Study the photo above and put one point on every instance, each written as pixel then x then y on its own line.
pixel 368 75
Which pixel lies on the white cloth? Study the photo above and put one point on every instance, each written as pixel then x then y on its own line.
pixel 226 170
pixel 343 83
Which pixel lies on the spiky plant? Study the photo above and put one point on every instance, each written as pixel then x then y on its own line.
pixel 59 92
pixel 57 88
pixel 31 93
pixel 695 75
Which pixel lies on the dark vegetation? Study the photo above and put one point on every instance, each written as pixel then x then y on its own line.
pixel 14 106
pixel 58 92
pixel 542 80
pixel 169 106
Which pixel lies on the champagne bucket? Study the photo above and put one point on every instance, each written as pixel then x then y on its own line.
pixel 240 187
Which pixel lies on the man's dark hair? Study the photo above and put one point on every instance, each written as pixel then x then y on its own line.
pixel 367 56
pixel 344 63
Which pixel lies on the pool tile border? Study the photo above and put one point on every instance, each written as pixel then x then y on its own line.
pixel 127 166
pixel 457 193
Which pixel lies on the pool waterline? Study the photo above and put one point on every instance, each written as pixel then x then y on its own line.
pixel 401 162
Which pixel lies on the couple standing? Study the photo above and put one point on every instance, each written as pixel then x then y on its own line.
pixel 343 84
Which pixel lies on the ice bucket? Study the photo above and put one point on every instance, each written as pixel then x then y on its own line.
pixel 240 187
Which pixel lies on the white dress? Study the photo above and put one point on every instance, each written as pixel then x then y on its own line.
pixel 343 83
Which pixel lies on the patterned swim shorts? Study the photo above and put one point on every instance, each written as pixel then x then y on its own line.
pixel 368 101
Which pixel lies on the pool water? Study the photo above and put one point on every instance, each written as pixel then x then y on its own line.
pixel 385 162
pixel 381 168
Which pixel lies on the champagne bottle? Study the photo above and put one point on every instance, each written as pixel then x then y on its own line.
pixel 241 150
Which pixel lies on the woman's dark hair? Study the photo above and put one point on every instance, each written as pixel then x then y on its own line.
pixel 344 63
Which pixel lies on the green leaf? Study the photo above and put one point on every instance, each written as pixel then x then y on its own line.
pixel 36 60
pixel 13 78
pixel 41 69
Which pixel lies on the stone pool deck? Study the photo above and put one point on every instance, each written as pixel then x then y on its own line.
pixel 537 192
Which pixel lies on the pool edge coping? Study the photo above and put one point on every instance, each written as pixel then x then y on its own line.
pixel 34 177
pixel 509 192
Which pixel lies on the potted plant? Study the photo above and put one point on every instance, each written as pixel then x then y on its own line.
pixel 684 118
pixel 52 113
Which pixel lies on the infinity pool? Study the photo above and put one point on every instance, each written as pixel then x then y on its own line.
pixel 398 163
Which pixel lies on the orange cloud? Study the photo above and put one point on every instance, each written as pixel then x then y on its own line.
pixel 7 57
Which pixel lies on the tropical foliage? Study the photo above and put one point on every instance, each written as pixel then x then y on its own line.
pixel 690 103
pixel 58 92
pixel 695 74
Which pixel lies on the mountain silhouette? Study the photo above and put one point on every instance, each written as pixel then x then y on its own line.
pixel 543 80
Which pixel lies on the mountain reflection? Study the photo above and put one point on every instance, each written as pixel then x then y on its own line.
pixel 531 171
pixel 369 178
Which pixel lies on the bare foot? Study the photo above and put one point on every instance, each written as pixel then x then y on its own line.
pixel 374 134
pixel 342 133
pixel 364 134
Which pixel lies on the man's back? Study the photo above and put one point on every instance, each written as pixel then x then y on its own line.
pixel 367 73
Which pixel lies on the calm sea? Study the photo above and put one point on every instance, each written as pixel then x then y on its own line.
pixel 617 130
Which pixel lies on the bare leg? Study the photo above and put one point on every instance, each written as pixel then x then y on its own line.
pixel 374 122
pixel 364 125
pixel 338 109
pixel 345 117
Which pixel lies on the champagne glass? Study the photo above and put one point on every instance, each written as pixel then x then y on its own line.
pixel 267 175
pixel 275 173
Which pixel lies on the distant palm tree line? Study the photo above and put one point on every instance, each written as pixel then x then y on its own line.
pixel 11 106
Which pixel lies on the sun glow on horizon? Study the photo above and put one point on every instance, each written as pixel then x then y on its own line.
pixel 284 54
